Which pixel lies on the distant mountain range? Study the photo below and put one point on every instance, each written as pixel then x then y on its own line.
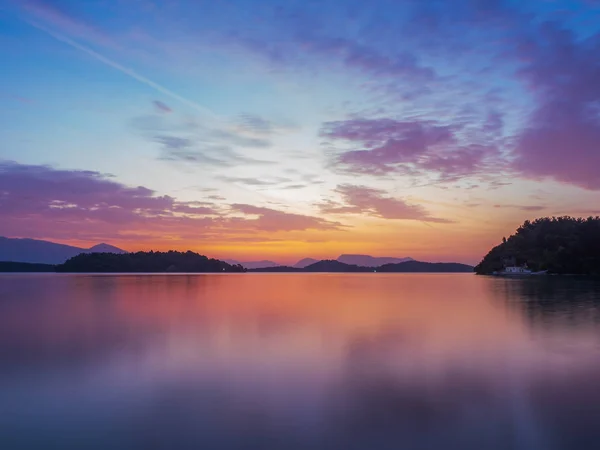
pixel 305 262
pixel 45 252
pixel 370 261
pixel 31 255
pixel 410 266
pixel 356 260
pixel 253 264
pixel 190 262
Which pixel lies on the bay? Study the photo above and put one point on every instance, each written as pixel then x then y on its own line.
pixel 294 361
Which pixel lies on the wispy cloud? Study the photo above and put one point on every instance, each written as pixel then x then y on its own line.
pixel 523 207
pixel 91 205
pixel 256 124
pixel 258 181
pixel 125 70
pixel 192 142
pixel 162 107
pixel 374 202
pixel 415 147
pixel 271 219
pixel 562 138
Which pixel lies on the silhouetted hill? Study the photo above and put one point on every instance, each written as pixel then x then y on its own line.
pixel 370 261
pixel 408 266
pixel 356 260
pixel 9 266
pixel 44 252
pixel 319 266
pixel 188 262
pixel 561 245
pixel 276 269
pixel 305 262
pixel 252 264
pixel 424 267
pixel 332 265
pixel 104 248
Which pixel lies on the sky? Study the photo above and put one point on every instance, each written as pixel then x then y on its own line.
pixel 281 130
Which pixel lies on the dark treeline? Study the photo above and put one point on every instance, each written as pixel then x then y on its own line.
pixel 422 267
pixel 188 262
pixel 9 266
pixel 560 245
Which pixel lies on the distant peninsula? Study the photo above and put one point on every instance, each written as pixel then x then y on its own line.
pixel 559 245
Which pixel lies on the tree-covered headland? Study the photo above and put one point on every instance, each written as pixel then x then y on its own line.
pixel 560 245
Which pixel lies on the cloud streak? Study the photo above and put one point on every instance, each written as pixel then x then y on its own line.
pixel 162 107
pixel 125 70
pixel 90 205
pixel 374 202
pixel 531 208
pixel 273 220
pixel 191 142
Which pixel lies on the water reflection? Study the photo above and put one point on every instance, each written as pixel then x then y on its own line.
pixel 298 361
pixel 569 300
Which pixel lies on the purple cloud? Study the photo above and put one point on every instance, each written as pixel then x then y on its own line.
pixel 39 187
pixel 273 220
pixel 162 107
pixel 416 134
pixel 375 202
pixel 494 123
pixel 40 201
pixel 379 46
pixel 461 162
pixel 409 147
pixel 368 60
pixel 304 42
pixel 43 202
pixel 562 139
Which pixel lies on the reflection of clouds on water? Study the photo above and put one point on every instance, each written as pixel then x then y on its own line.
pixel 416 403
pixel 528 400
pixel 297 362
pixel 48 330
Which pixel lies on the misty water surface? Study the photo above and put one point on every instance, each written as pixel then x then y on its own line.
pixel 294 361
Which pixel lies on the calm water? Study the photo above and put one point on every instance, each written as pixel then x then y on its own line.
pixel 278 361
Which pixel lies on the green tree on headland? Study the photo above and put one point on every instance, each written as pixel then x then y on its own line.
pixel 562 245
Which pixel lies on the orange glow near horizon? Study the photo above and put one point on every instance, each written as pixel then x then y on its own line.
pixel 455 243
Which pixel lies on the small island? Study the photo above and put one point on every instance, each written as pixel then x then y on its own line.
pixel 146 262
pixel 556 245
